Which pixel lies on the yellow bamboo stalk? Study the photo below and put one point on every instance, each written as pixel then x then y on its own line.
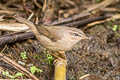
pixel 60 70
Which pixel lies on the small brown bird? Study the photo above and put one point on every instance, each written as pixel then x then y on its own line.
pixel 55 38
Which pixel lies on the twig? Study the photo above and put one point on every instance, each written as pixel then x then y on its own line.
pixel 74 18
pixel 49 9
pixel 44 6
pixel 88 20
pixel 10 38
pixel 117 16
pixel 27 10
pixel 11 2
pixel 7 12
pixel 31 15
pixel 111 10
pixel 1 17
pixel 37 4
pixel 13 27
pixel 102 5
pixel 86 75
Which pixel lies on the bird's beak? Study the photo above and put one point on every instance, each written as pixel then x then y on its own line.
pixel 86 37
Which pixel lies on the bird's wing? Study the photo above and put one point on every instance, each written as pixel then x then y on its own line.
pixel 50 32
pixel 44 30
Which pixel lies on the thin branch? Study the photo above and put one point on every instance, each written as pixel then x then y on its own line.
pixel 11 38
pixel 13 27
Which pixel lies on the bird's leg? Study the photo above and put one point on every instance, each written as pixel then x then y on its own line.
pixel 62 54
pixel 58 55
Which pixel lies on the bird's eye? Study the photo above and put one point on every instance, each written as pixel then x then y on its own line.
pixel 76 34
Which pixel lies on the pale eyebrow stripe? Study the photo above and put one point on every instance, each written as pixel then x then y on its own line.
pixel 80 34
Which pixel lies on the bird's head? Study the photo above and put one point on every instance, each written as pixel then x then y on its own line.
pixel 77 34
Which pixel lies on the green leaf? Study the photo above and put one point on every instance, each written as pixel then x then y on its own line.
pixel 39 70
pixel 19 74
pixel 115 27
pixel 23 55
pixel 34 69
pixel 6 73
pixel 49 59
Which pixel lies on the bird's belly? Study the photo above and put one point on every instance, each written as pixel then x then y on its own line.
pixel 60 46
